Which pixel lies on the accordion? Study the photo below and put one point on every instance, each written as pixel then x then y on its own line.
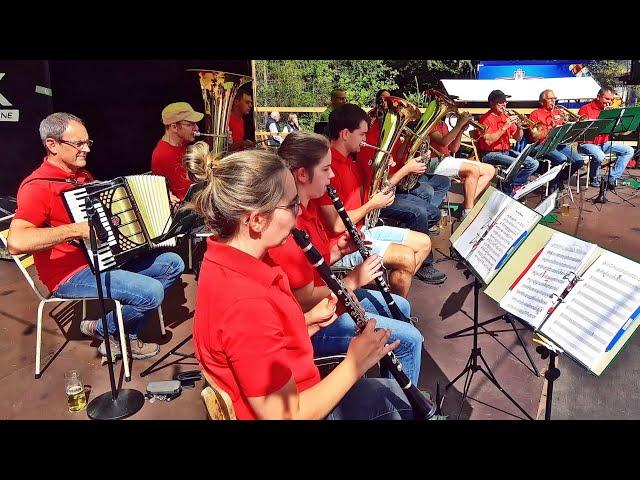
pixel 135 211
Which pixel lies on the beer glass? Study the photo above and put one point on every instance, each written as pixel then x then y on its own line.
pixel 76 399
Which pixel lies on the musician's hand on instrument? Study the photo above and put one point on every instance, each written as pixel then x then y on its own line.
pixel 345 245
pixel 464 118
pixel 364 273
pixel 173 199
pixel 323 313
pixel 370 346
pixel 382 199
pixel 416 167
pixel 83 230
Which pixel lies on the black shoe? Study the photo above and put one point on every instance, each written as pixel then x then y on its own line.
pixel 428 274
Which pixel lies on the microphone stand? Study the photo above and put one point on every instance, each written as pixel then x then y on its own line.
pixel 110 405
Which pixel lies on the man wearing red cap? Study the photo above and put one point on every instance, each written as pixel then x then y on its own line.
pixel 180 127
pixel 493 144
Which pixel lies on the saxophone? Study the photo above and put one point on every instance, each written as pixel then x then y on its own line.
pixel 398 114
pixel 436 110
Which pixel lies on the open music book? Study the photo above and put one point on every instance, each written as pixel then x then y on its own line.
pixel 492 232
pixel 580 297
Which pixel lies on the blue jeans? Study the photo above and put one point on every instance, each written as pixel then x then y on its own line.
pixel 561 154
pixel 140 288
pixel 411 212
pixel 432 188
pixel 597 152
pixel 335 338
pixel 506 158
pixel 373 399
pixel 380 238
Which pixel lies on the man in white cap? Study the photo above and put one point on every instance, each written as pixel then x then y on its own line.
pixel 180 126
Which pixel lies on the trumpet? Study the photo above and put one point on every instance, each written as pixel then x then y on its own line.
pixel 568 115
pixel 471 122
pixel 534 128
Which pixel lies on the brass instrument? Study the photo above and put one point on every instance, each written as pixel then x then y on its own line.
pixel 471 122
pixel 567 114
pixel 436 110
pixel 534 128
pixel 398 114
pixel 218 92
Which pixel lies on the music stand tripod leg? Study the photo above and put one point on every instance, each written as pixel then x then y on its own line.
pixel 173 351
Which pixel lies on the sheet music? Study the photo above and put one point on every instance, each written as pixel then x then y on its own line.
pixel 487 215
pixel 541 180
pixel 546 206
pixel 502 239
pixel 596 308
pixel 531 297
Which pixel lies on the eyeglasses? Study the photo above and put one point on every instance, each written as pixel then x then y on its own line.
pixel 294 206
pixel 78 145
pixel 187 123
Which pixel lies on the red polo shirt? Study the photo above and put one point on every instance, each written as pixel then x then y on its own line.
pixel 236 125
pixel 441 128
pixel 166 160
pixel 366 154
pixel 495 122
pixel 348 182
pixel 249 332
pixel 592 111
pixel 290 257
pixel 549 118
pixel 40 203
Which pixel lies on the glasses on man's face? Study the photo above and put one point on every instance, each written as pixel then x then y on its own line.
pixel 187 123
pixel 78 145
pixel 294 206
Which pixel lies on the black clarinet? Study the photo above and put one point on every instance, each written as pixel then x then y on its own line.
pixel 357 239
pixel 422 408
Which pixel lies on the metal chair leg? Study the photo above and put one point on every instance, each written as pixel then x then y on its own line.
pixel 123 341
pixel 39 338
pixel 162 329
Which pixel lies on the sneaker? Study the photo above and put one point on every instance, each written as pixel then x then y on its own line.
pixel 515 190
pixel 594 182
pixel 141 350
pixel 116 351
pixel 433 231
pixel 90 328
pixel 428 274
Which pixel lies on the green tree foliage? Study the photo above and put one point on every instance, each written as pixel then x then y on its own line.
pixel 308 83
pixel 427 73
pixel 606 71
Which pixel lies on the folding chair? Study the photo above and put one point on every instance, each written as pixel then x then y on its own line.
pixel 24 262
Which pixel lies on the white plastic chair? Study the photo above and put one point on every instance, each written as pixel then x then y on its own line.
pixel 25 261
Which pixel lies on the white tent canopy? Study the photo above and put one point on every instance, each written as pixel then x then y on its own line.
pixel 523 90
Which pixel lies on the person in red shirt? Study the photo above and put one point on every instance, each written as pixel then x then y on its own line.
pixel 241 107
pixel 475 175
pixel 599 146
pixel 249 333
pixel 42 226
pixel 309 160
pixel 401 249
pixel 493 144
pixel 546 118
pixel 180 127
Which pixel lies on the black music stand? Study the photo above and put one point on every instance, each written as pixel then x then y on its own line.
pixel 513 169
pixel 110 405
pixel 174 351
pixel 472 366
pixel 551 375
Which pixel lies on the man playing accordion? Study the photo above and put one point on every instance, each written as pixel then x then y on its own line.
pixel 42 226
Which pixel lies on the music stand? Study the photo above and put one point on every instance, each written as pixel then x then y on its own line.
pixel 110 405
pixel 551 374
pixel 472 366
pixel 509 174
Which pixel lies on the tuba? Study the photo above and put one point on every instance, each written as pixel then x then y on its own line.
pixel 398 114
pixel 418 138
pixel 218 91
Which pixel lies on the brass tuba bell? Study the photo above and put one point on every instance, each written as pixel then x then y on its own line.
pixel 218 91
pixel 398 114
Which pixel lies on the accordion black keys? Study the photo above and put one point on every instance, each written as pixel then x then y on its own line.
pixel 134 210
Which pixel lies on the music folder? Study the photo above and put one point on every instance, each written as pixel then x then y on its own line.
pixel 576 295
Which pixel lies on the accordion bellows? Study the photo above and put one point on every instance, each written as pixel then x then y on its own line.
pixel 134 210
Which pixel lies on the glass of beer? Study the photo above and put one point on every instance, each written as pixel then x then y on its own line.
pixel 76 399
pixel 565 210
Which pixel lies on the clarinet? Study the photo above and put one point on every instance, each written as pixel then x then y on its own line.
pixel 355 236
pixel 422 408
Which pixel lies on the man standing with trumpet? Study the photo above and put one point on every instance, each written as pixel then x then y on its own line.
pixel 493 144
pixel 547 117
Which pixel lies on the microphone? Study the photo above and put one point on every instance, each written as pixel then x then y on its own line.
pixel 200 134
